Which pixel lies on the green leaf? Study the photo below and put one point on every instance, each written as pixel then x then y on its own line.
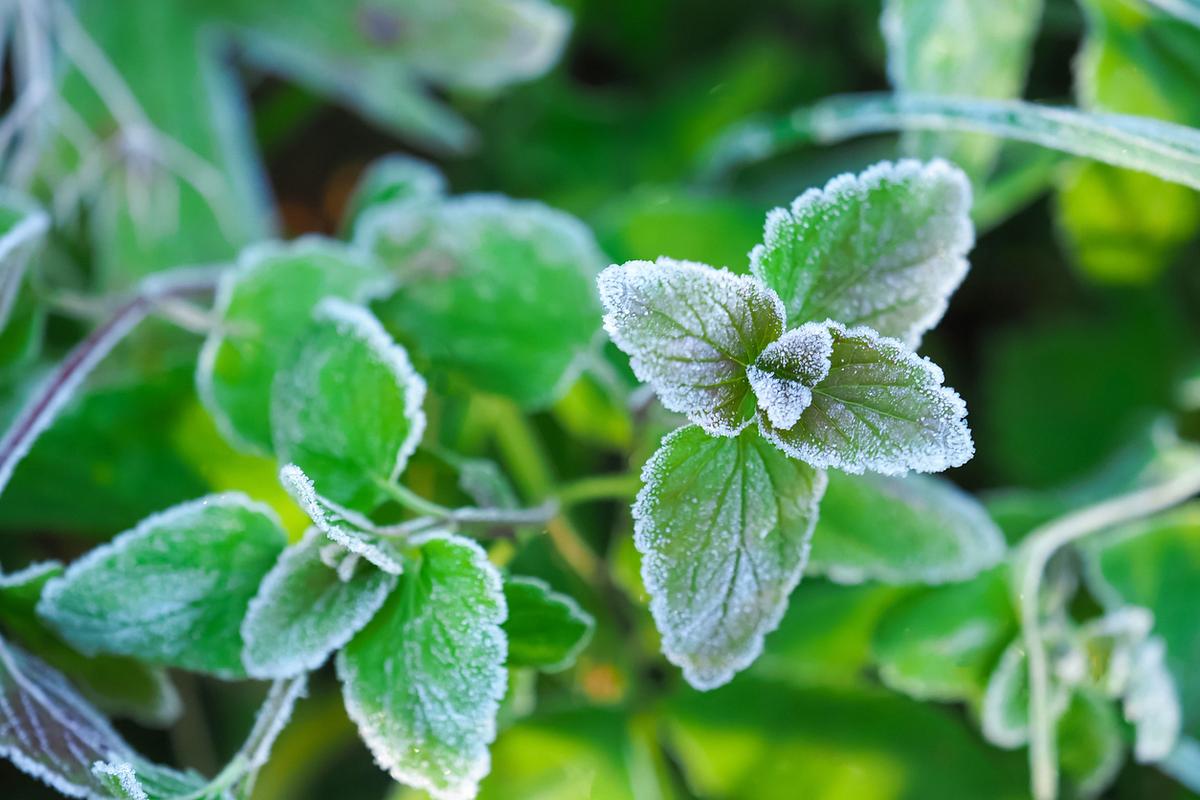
pixel 117 685
pixel 120 779
pixel 723 526
pixel 1091 749
pixel 545 629
pixel 880 408
pixel 884 249
pixel 424 679
pixel 1004 717
pixel 1151 703
pixel 943 643
pixel 496 293
pixel 346 406
pixel 344 527
pixel 173 590
pixel 305 609
pixel 784 374
pixel 691 331
pixel 959 49
pixel 23 226
pixel 265 304
pixel 911 529
pixel 50 732
pixel 392 179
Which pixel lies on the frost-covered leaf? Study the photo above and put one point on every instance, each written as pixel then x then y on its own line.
pixel 880 408
pixel 50 732
pixel 264 305
pixel 393 179
pixel 545 629
pixel 116 684
pixel 784 374
pixel 344 527
pixel 1109 645
pixel 690 332
pixel 943 643
pixel 173 590
pixel 959 48
pixel 723 526
pixel 346 405
pixel 120 779
pixel 496 293
pixel 423 680
pixel 910 529
pixel 22 227
pixel 1151 703
pixel 1090 746
pixel 304 610
pixel 884 249
pixel 1004 717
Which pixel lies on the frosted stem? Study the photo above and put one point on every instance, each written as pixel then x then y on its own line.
pixel 1163 149
pixel 1034 554
pixel 538 515
pixel 48 399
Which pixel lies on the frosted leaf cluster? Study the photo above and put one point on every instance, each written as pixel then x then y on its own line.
pixel 786 371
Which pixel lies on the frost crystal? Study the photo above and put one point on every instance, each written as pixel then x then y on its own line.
pixel 690 332
pixel 120 777
pixel 784 374
pixel 1152 703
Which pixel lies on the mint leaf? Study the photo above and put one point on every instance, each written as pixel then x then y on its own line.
pixel 265 305
pixel 117 685
pixel 22 227
pixel 1004 717
pixel 304 610
pixel 884 249
pixel 545 629
pixel 785 373
pixel 910 529
pixel 173 590
pixel 1151 703
pixel 880 408
pixel 344 527
pixel 942 644
pixel 424 679
pixel 690 332
pixel 50 732
pixel 1090 746
pixel 346 405
pixel 723 526
pixel 392 179
pixel 120 780
pixel 496 293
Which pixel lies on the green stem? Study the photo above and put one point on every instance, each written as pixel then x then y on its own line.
pixel 1034 554
pixel 618 486
pixel 467 515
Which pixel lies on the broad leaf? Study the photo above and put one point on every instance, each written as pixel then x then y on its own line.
pixel 423 680
pixel 344 527
pixel 496 293
pixel 943 643
pixel 173 590
pixel 116 684
pixel 880 408
pixel 784 374
pixel 265 305
pixel 884 249
pixel 346 406
pixel 545 629
pixel 723 525
pixel 911 529
pixel 50 732
pixel 22 227
pixel 305 609
pixel 690 332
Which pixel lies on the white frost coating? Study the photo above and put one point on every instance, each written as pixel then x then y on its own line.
pixel 16 247
pixel 123 775
pixel 344 527
pixel 29 573
pixel 455 701
pixel 573 609
pixel 723 526
pixel 784 374
pixel 690 331
pixel 286 632
pixel 1152 703
pixel 272 716
pixel 1118 634
pixel 885 248
pixel 881 408
pixel 1000 725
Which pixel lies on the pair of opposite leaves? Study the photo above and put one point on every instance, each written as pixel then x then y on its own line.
pixel 860 269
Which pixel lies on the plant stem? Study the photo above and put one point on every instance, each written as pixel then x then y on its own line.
pixel 618 486
pixel 406 497
pixel 49 398
pixel 1034 554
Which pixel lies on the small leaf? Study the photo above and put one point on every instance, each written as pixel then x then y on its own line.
pixel 942 644
pixel 1005 712
pixel 785 373
pixel 392 179
pixel 173 590
pixel 346 406
pixel 344 527
pixel 1152 703
pixel 880 408
pixel 424 679
pixel 723 525
pixel 265 305
pixel 910 529
pixel 690 332
pixel 884 249
pixel 1090 747
pixel 304 610
pixel 545 629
